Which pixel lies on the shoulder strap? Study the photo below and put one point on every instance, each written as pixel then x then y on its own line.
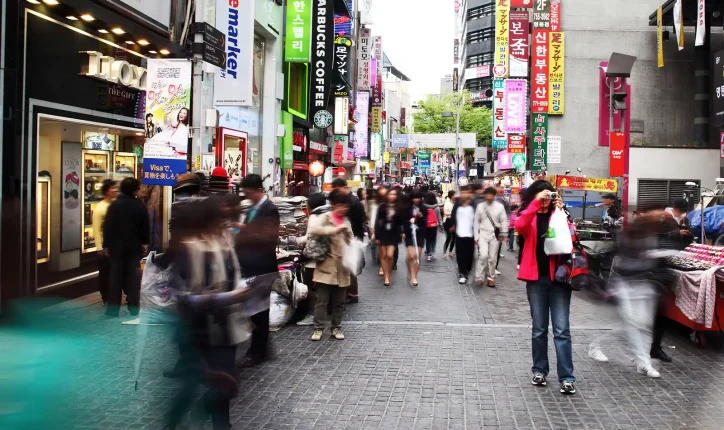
pixel 488 215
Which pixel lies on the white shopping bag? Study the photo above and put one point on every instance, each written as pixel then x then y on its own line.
pixel 354 257
pixel 558 241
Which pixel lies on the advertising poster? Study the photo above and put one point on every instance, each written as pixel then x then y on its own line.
pixel 500 58
pixel 364 55
pixel 539 145
pixel 556 16
pixel 233 86
pixel 322 57
pixel 518 42
pixel 500 138
pixel 556 52
pixel 539 71
pixel 717 98
pixel 70 231
pixel 587 184
pixel 617 154
pixel 297 48
pixel 168 106
pixel 515 107
pixel 554 150
pixel 361 114
pixel 541 14
pixel 700 22
pixel 660 37
pixel 516 144
pixel 477 72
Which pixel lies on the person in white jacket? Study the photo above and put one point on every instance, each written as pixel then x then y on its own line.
pixel 490 217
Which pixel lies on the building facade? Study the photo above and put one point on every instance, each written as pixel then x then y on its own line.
pixel 476 21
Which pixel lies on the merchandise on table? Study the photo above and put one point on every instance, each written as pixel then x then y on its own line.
pixel 697 257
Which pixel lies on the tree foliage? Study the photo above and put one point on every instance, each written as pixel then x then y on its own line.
pixel 476 120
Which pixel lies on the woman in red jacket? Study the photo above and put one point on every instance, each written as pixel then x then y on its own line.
pixel 537 269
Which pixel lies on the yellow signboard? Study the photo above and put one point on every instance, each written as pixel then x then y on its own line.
pixel 376 119
pixel 556 53
pixel 660 36
pixel 500 66
pixel 589 184
pixel 387 157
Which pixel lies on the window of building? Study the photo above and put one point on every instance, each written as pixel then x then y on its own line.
pixel 481 11
pixel 480 35
pixel 479 84
pixel 661 193
pixel 479 59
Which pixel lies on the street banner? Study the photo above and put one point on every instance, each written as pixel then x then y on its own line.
pixel 500 57
pixel 541 14
pixel 376 147
pixel 233 86
pixel 342 64
pixel 556 54
pixel 515 107
pixel 364 55
pixel 286 142
pixel 717 98
pixel 521 3
pixel 617 154
pixel 376 119
pixel 168 102
pixel 322 56
pixel 361 115
pixel 297 48
pixel 477 72
pixel 500 138
pixel 70 223
pixel 660 37
pixel 516 144
pixel 455 80
pixel 377 54
pixel 555 15
pixel 721 144
pixel 518 39
pixel 539 78
pixel 539 145
pixel 679 24
pixel 456 51
pixel 587 184
pixel 700 23
pixel 554 150
pixel 603 106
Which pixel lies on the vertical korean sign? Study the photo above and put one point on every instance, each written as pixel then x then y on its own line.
pixel 539 78
pixel 700 23
pixel 539 144
pixel 168 101
pixel 541 14
pixel 518 38
pixel 364 55
pixel 500 58
pixel 660 37
pixel 555 22
pixel 500 137
pixel 361 114
pixel 556 53
pixel 516 93
pixel 297 48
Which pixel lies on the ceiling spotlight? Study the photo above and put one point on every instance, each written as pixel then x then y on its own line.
pixel 71 18
pixel 118 30
pixel 51 2
pixel 87 17
pixel 130 42
pixel 164 51
pixel 152 52
pixel 33 2
pixel 103 30
pixel 142 42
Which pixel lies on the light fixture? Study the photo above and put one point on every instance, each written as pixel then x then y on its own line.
pixel 164 51
pixel 87 17
pixel 118 30
pixel 103 30
pixel 51 2
pixel 139 134
pixel 71 18
pixel 130 42
pixel 33 2
pixel 152 52
pixel 142 42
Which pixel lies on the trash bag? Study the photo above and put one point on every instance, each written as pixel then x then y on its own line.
pixel 558 241
pixel 280 311
pixel 158 304
pixel 354 257
pixel 713 219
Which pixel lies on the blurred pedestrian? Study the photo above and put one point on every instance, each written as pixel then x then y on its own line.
pixel 537 269
pixel 415 232
pixel 256 244
pixel 463 226
pixel 317 207
pixel 491 228
pixel 511 227
pixel 434 224
pixel 373 205
pixel 331 277
pixel 388 231
pixel 356 218
pixel 126 232
pixel 109 190
pixel 448 248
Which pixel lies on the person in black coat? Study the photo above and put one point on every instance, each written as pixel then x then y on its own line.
pixel 416 213
pixel 256 248
pixel 357 218
pixel 126 233
pixel 388 231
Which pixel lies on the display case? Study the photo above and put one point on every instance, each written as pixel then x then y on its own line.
pixel 43 220
pixel 96 168
pixel 124 165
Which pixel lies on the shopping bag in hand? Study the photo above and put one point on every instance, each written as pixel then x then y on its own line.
pixel 354 257
pixel 558 241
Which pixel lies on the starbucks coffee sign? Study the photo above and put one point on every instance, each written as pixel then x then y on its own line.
pixel 115 71
pixel 323 119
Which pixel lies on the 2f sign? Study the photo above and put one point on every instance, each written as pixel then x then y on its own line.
pixel 115 71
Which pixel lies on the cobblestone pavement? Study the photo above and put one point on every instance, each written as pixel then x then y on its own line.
pixel 439 356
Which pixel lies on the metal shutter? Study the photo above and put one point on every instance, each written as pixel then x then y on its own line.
pixel 676 191
pixel 661 193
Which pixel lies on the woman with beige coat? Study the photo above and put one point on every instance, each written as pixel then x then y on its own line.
pixel 331 278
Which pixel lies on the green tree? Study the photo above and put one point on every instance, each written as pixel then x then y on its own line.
pixel 476 120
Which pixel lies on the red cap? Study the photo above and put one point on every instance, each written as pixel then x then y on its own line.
pixel 219 172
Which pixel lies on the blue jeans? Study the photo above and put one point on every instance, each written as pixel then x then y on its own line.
pixel 511 239
pixel 545 297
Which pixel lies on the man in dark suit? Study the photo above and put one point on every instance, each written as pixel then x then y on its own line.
pixel 256 248
pixel 357 217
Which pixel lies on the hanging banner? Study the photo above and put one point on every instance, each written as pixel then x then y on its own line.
pixel 364 55
pixel 541 14
pixel 297 48
pixel 361 115
pixel 554 150
pixel 617 154
pixel 168 102
pixel 375 146
pixel 377 54
pixel 455 80
pixel 587 184
pixel 376 119
pixel 322 57
pixel 500 57
pixel 717 95
pixel 539 78
pixel 555 16
pixel 500 138
pixel 539 145
pixel 679 24
pixel 516 144
pixel 700 23
pixel 660 37
pixel 70 223
pixel 342 62
pixel 456 51
pixel 518 39
pixel 516 94
pixel 556 54
pixel 233 86
pixel 286 143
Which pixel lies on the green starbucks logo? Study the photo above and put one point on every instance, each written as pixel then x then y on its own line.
pixel 322 119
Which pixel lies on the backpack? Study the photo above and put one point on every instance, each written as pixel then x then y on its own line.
pixel 574 270
pixel 431 218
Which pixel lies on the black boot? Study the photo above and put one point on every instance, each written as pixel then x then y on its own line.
pixel 659 353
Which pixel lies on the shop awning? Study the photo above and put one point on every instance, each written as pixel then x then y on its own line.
pixel 690 13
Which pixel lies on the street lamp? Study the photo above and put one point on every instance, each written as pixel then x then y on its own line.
pixel 458 151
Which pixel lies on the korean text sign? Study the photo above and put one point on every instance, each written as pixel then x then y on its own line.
pixel 556 53
pixel 299 31
pixel 541 14
pixel 518 38
pixel 556 15
pixel 539 145
pixel 168 107
pixel 361 113
pixel 500 138
pixel 516 144
pixel 364 55
pixel 500 67
pixel 539 72
pixel 516 91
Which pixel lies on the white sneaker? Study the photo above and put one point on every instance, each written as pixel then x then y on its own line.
pixel 307 321
pixel 497 272
pixel 462 280
pixel 648 370
pixel 517 266
pixel 598 355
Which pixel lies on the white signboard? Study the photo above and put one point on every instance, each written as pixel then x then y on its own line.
pixel 234 86
pixel 365 11
pixel 481 155
pixel 441 141
pixel 364 55
pixel 554 149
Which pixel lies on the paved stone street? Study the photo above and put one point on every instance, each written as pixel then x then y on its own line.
pixel 438 356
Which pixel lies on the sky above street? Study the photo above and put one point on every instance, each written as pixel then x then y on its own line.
pixel 418 39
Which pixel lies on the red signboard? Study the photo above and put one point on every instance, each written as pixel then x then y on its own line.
pixel 555 17
pixel 518 33
pixel 516 144
pixel 539 78
pixel 521 3
pixel 618 154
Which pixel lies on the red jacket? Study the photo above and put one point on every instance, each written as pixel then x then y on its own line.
pixel 526 226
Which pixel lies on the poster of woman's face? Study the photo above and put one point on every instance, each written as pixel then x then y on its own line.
pixel 182 117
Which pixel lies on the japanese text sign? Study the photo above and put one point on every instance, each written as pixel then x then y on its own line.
pixel 556 53
pixel 518 44
pixel 539 145
pixel 516 94
pixel 298 48
pixel 500 57
pixel 342 62
pixel 539 72
pixel 500 137
pixel 541 14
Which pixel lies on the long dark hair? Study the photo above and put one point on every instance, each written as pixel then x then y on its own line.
pixel 532 191
pixel 178 117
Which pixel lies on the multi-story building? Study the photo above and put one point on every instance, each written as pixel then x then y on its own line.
pixel 476 21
